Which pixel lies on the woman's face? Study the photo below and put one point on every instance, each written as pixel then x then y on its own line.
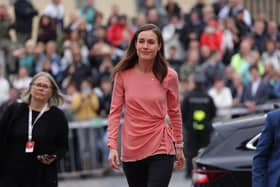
pixel 45 21
pixel 219 84
pixel 147 46
pixel 41 89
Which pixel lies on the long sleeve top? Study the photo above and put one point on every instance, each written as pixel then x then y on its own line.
pixel 145 131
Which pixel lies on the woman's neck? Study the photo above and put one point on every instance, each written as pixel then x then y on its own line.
pixel 144 67
pixel 37 105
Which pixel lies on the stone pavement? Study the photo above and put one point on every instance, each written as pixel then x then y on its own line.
pixel 177 180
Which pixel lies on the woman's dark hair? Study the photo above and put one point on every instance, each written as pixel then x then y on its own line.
pixel 130 60
pixel 51 22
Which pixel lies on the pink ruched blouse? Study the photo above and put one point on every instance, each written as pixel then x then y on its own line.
pixel 146 102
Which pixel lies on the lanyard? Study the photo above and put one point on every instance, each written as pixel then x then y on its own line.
pixel 30 124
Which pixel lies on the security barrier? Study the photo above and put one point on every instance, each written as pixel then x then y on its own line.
pixel 71 165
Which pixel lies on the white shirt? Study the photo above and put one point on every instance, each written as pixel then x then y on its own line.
pixel 227 42
pixel 273 58
pixel 255 85
pixel 221 99
pixel 22 83
pixel 54 11
pixel 224 13
pixel 4 87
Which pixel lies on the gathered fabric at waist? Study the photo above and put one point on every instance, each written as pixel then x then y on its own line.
pixel 144 138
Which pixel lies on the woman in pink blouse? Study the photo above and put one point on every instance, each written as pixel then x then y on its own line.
pixel 148 90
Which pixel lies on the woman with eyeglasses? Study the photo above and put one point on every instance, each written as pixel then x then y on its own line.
pixel 33 136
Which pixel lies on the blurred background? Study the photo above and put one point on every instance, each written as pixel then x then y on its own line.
pixel 234 43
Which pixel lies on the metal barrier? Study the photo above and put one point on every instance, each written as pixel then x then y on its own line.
pixel 242 110
pixel 69 166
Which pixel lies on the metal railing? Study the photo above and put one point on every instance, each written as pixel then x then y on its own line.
pixel 71 165
pixel 68 166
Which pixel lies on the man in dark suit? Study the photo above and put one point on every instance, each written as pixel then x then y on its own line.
pixel 257 91
pixel 266 162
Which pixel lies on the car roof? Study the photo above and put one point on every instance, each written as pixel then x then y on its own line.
pixel 249 120
pixel 227 142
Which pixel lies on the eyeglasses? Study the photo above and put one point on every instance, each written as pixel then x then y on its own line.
pixel 40 85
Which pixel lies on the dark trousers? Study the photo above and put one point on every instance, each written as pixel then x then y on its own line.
pixel 154 171
pixel 195 140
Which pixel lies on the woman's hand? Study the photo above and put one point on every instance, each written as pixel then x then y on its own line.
pixel 113 159
pixel 46 159
pixel 180 159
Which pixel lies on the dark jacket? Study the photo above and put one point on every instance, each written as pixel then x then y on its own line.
pixel 262 94
pixel 198 101
pixel 266 162
pixel 24 13
pixel 50 135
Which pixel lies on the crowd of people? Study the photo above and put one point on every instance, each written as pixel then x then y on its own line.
pixel 238 55
pixel 220 40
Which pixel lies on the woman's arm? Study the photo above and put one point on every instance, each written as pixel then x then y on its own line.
pixel 173 104
pixel 115 111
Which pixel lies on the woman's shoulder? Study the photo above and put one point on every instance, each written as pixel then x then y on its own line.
pixel 171 80
pixel 56 111
pixel 171 71
pixel 171 74
pixel 125 73
pixel 58 117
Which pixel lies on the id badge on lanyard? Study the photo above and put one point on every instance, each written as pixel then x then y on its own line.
pixel 29 147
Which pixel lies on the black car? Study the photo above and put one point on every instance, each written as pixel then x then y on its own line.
pixel 227 160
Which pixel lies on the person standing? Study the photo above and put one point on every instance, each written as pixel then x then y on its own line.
pixel 88 11
pixel 5 38
pixel 4 85
pixel 24 13
pixel 149 144
pixel 265 167
pixel 198 112
pixel 55 10
pixel 33 136
pixel 85 104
